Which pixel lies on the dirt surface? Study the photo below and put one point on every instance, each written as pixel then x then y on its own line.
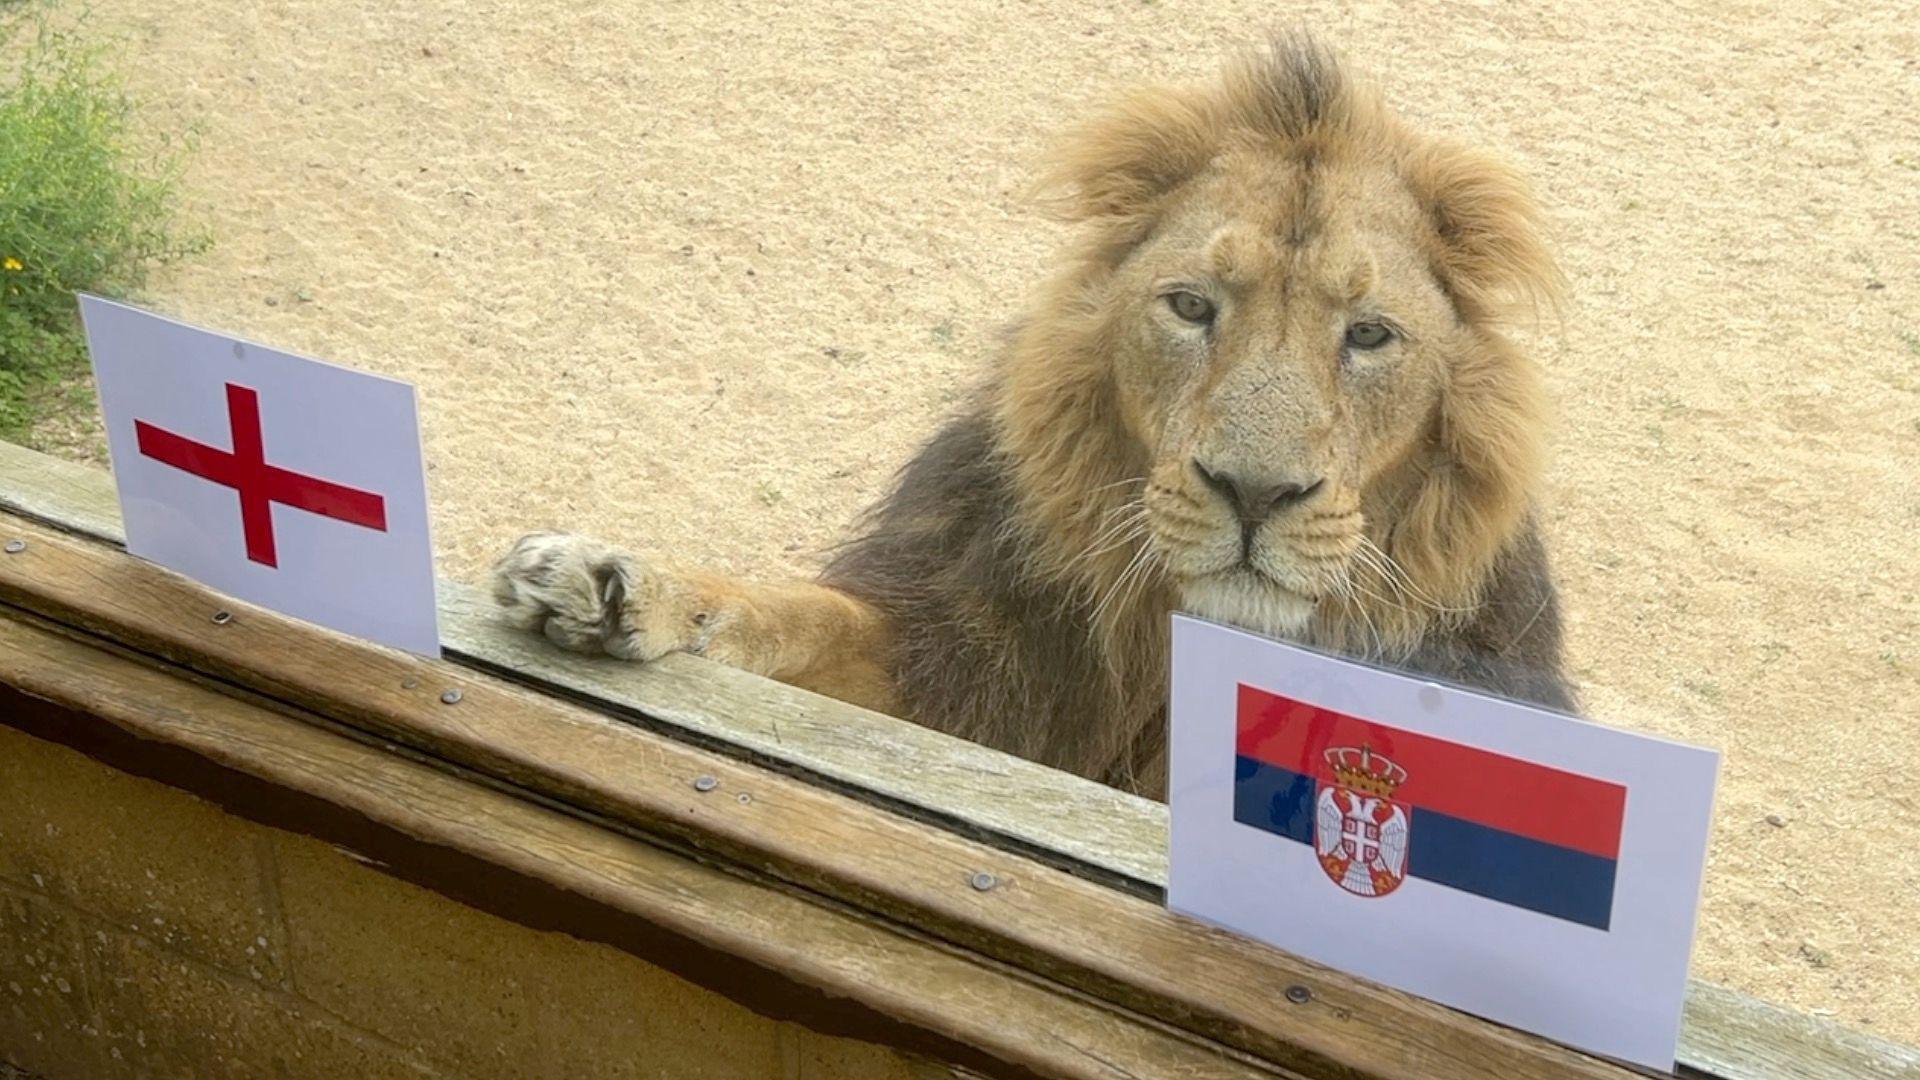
pixel 699 276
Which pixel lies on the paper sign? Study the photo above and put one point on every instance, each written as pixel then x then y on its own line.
pixel 287 482
pixel 1534 869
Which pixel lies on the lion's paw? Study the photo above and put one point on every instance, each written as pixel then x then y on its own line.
pixel 588 597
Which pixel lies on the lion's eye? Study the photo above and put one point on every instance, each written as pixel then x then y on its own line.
pixel 1368 335
pixel 1191 306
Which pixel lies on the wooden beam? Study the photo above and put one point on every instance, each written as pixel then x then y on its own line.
pixel 1731 1035
pixel 1062 820
pixel 984 1014
pixel 1098 830
pixel 1115 947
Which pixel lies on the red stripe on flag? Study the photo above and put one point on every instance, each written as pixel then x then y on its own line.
pixel 197 458
pixel 325 497
pixel 250 467
pixel 1505 793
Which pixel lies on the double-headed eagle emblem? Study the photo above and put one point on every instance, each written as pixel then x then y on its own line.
pixel 1360 833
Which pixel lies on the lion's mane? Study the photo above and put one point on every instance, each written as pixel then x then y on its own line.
pixel 1016 625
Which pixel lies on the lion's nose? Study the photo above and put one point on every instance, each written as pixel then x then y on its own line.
pixel 1256 500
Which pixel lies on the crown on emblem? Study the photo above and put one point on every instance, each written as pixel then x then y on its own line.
pixel 1358 768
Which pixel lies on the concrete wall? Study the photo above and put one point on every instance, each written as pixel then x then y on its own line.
pixel 144 932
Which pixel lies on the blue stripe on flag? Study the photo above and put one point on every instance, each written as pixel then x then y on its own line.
pixel 1517 870
pixel 1450 851
pixel 1275 799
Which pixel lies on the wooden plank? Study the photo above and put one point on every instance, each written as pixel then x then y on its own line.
pixel 1106 943
pixel 1728 1034
pixel 1016 1020
pixel 1085 826
pixel 1075 822
pixel 1054 815
pixel 72 496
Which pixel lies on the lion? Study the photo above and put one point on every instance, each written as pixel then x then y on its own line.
pixel 1268 385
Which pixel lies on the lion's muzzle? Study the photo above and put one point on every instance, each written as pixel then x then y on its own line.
pixel 1256 498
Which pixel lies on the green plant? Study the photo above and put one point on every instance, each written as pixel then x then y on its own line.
pixel 86 199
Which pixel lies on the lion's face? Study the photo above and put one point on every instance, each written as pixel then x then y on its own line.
pixel 1280 344
pixel 1278 355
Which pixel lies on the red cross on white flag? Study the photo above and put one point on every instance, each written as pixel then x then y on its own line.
pixel 286 482
pixel 259 485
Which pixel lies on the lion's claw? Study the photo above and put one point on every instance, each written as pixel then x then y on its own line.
pixel 588 597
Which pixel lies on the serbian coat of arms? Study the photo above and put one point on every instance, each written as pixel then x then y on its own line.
pixel 1360 833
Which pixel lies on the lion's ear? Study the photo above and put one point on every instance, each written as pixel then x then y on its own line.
pixel 1119 163
pixel 1490 250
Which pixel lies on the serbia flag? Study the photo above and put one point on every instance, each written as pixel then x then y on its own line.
pixel 1379 804
pixel 1521 864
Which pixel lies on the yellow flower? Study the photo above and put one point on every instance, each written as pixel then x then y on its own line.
pixel 13 264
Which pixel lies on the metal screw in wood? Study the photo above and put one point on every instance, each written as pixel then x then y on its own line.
pixel 1299 995
pixel 983 881
pixel 15 547
pixel 705 783
pixel 222 618
pixel 451 697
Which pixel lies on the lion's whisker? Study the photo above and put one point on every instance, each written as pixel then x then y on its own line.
pixel 1130 536
pixel 1397 576
pixel 1346 587
pixel 1146 573
pixel 1116 534
pixel 1112 536
pixel 1111 527
pixel 1141 559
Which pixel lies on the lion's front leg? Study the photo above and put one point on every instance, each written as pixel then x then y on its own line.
pixel 586 596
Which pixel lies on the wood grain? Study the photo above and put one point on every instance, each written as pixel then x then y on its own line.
pixel 1065 821
pixel 1057 816
pixel 1116 947
pixel 1095 829
pixel 1016 1020
pixel 1726 1034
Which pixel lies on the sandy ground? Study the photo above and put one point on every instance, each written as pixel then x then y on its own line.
pixel 698 276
